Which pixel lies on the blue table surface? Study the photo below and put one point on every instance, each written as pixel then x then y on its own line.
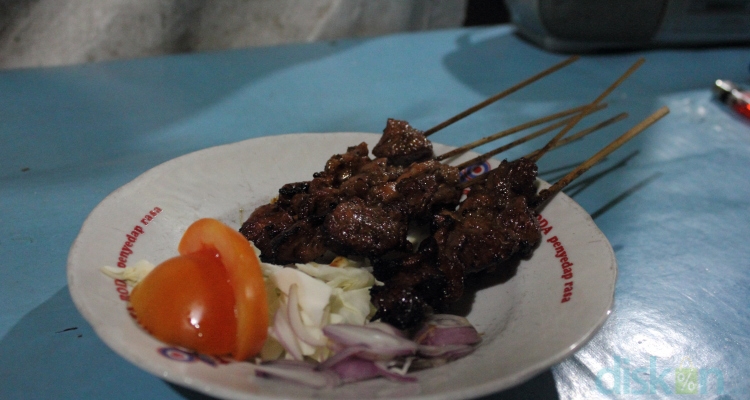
pixel 673 202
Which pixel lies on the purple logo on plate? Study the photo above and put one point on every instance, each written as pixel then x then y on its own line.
pixel 181 355
pixel 474 171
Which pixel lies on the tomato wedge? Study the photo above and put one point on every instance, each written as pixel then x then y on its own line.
pixel 244 275
pixel 187 301
pixel 211 298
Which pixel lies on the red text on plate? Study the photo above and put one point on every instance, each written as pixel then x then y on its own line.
pixel 127 250
pixel 565 264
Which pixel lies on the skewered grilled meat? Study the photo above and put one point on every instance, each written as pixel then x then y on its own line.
pixel 303 240
pixel 503 207
pixel 377 221
pixel 413 286
pixel 491 227
pixel 402 145
pixel 354 194
pixel 265 223
pixel 427 187
pixel 281 229
pixel 360 206
pixel 355 227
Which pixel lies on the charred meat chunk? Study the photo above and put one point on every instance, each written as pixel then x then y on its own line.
pixel 341 167
pixel 302 201
pixel 493 225
pixel 354 228
pixel 264 224
pixel 301 241
pixel 402 145
pixel 413 288
pixel 428 187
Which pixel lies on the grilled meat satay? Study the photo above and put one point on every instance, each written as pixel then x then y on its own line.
pixel 403 145
pixel 306 204
pixel 377 222
pixel 361 206
pixel 491 227
pixel 495 224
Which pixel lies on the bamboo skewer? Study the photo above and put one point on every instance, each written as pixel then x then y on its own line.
pixel 541 132
pixel 582 133
pixel 578 171
pixel 500 95
pixel 513 130
pixel 487 155
pixel 592 106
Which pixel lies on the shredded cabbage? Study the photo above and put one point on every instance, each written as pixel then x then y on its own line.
pixel 338 293
pixel 131 274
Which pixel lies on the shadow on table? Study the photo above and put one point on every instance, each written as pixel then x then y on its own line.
pixel 53 353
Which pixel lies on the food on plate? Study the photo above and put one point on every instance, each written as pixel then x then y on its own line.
pixel 210 298
pixel 319 334
pixel 378 349
pixel 402 145
pixel 493 226
pixel 306 298
pixel 363 207
pixel 356 206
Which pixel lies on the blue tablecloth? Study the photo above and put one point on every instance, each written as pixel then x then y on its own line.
pixel 673 202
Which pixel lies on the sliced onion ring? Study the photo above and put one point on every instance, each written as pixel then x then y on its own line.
pixel 446 329
pixel 380 345
pixel 295 320
pixel 285 335
pixel 355 369
pixel 449 352
pixel 341 355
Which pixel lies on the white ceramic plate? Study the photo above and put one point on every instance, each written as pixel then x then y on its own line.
pixel 542 314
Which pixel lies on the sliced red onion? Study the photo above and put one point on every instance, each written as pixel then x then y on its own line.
pixel 341 355
pixel 442 336
pixel 295 320
pixel 364 352
pixel 355 369
pixel 396 376
pixel 387 328
pixel 446 329
pixel 380 345
pixel 449 352
pixel 285 335
pixel 300 372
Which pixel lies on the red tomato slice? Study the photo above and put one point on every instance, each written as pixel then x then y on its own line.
pixel 187 301
pixel 244 275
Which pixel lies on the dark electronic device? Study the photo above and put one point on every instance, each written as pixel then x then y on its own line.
pixel 591 25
